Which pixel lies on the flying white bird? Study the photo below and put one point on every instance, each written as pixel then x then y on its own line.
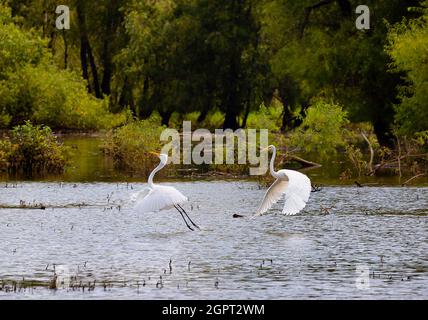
pixel 155 198
pixel 295 185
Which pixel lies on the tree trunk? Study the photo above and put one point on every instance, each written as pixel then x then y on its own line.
pixel 203 115
pixel 231 100
pixel 112 19
pixel 246 113
pixel 126 99
pixel 86 52
pixel 96 83
pixel 383 133
pixel 144 103
pixel 84 63
pixel 165 117
pixel 105 84
pixel 64 36
pixel 230 121
pixel 287 118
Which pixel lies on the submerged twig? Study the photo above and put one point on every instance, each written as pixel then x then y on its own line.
pixel 412 178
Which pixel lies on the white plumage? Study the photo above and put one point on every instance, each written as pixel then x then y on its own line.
pixel 158 198
pixel 295 186
pixel 155 198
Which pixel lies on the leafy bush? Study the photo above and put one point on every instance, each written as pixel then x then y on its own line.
pixel 33 88
pixel 56 98
pixel 17 48
pixel 266 117
pixel 322 130
pixel 32 149
pixel 408 43
pixel 129 145
pixel 213 120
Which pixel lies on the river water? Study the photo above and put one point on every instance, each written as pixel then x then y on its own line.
pixel 348 243
pixel 320 253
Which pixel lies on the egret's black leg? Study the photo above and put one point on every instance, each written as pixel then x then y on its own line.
pixel 183 218
pixel 188 217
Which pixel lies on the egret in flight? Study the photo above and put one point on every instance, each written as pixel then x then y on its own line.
pixel 295 185
pixel 155 198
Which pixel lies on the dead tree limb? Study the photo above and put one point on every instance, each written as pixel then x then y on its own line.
pixel 412 178
pixel 371 152
pixel 305 163
pixel 344 5
pixel 399 156
pixel 308 11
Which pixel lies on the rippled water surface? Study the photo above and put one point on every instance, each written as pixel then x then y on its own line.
pixel 89 231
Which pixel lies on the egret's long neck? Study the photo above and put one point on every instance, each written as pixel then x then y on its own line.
pixel 272 162
pixel 152 174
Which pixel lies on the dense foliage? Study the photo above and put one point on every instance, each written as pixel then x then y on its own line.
pixel 33 88
pixel 130 145
pixel 32 150
pixel 322 130
pixel 408 46
pixel 298 68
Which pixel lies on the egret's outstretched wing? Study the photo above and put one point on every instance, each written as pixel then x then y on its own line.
pixel 159 198
pixel 140 194
pixel 297 193
pixel 273 194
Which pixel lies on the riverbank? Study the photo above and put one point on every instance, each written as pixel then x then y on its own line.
pixel 88 163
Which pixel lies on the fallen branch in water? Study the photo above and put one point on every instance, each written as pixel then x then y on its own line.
pixel 40 206
pixel 305 163
pixel 394 162
pixel 412 178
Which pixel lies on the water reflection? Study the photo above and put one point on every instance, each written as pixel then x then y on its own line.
pixel 88 164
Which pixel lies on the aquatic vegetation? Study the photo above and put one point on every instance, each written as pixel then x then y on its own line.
pixel 32 150
pixel 129 146
pixel 267 117
pixel 322 130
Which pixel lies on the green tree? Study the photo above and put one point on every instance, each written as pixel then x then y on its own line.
pixel 408 47
pixel 322 130
pixel 195 55
pixel 32 87
pixel 316 48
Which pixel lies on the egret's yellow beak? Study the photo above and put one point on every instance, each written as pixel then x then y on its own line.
pixel 265 149
pixel 154 153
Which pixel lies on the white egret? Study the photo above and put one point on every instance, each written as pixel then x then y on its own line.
pixel 155 198
pixel 295 185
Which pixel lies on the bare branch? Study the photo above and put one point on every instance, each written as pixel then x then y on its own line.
pixel 304 162
pixel 308 11
pixel 371 152
pixel 412 178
